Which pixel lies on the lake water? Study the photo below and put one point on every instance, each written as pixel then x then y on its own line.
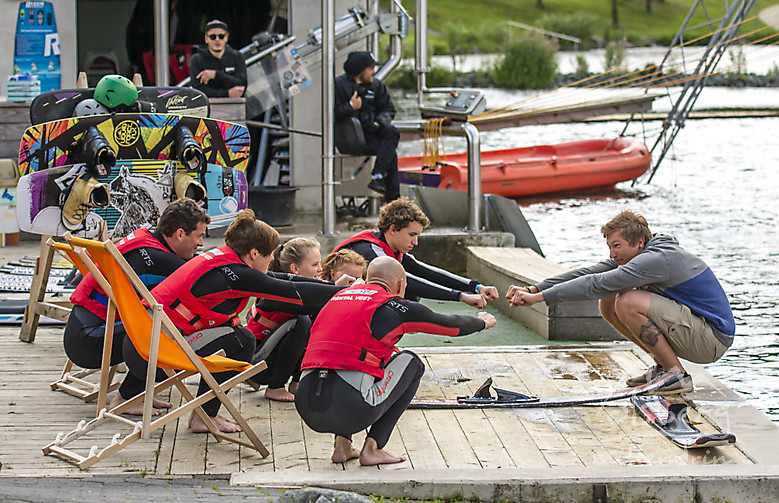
pixel 715 192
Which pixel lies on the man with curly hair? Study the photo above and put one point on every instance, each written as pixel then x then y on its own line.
pixel 400 224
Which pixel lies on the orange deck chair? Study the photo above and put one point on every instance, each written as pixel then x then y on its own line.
pixel 162 349
pixel 75 382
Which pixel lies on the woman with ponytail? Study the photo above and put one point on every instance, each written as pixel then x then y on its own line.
pixel 282 337
pixel 205 296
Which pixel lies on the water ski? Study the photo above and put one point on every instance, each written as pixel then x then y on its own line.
pixel 671 420
pixel 483 398
pixel 133 196
pixel 59 104
pixel 136 136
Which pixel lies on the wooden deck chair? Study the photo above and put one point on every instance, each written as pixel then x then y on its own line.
pixel 167 350
pixel 75 382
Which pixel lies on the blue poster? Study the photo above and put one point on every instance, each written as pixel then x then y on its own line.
pixel 37 48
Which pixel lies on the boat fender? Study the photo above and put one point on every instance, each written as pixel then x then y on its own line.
pixel 553 160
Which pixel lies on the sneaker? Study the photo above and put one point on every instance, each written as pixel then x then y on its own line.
pixel 85 194
pixel 186 186
pixel 650 374
pixel 377 185
pixel 683 385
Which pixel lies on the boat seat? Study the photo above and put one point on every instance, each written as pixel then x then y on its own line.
pixel 349 137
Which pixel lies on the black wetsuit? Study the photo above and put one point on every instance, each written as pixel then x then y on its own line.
pixel 424 281
pixel 84 331
pixel 235 282
pixel 344 402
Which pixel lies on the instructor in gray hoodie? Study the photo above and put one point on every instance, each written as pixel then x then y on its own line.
pixel 653 292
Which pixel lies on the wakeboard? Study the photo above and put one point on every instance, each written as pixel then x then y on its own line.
pixel 61 103
pixel 671 420
pixel 134 136
pixel 484 399
pixel 139 191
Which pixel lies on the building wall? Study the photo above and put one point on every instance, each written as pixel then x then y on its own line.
pixel 306 108
pixel 65 12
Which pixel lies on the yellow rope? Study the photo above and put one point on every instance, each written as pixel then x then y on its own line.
pixel 433 146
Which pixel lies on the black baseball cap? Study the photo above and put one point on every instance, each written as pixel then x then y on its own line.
pixel 215 23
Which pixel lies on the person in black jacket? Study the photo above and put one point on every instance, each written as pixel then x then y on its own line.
pixel 219 70
pixel 359 94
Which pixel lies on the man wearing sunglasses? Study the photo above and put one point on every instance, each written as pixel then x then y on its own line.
pixel 218 70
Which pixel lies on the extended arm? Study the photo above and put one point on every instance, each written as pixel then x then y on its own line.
pixel 398 316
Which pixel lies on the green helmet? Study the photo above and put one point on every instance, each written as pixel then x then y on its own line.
pixel 114 90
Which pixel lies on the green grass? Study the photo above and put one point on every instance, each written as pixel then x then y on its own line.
pixel 488 17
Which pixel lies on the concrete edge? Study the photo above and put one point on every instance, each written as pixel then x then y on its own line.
pixel 728 411
pixel 664 483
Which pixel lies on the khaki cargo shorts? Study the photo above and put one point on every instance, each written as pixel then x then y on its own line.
pixel 689 335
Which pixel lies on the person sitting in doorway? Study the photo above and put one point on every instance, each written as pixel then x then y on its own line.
pixel 400 224
pixel 153 256
pixel 354 376
pixel 359 94
pixel 218 70
pixel 656 294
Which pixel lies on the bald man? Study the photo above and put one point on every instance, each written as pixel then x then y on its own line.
pixel 354 377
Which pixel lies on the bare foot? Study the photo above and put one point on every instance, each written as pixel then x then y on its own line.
pixel 279 394
pixel 292 387
pixel 343 450
pixel 223 424
pixel 137 410
pixel 371 455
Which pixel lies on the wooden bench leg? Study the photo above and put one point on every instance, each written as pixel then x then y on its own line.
pixel 40 280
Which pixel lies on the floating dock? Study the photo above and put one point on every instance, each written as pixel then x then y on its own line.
pixel 561 454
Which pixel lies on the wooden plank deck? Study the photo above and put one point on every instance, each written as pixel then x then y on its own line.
pixel 613 435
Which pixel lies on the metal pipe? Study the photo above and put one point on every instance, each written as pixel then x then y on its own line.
pixel 420 48
pixel 396 45
pixel 161 43
pixel 373 40
pixel 328 116
pixel 473 141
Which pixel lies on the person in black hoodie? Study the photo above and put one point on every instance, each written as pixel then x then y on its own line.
pixel 218 70
pixel 359 94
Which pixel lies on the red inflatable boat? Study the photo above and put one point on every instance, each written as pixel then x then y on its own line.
pixel 577 166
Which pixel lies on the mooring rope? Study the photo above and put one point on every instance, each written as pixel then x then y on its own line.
pixel 433 144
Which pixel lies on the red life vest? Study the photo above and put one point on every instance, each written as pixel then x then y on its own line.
pixel 190 313
pixel 370 236
pixel 263 323
pixel 336 345
pixel 88 292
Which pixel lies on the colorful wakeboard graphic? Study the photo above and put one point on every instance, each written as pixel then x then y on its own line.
pixel 139 191
pixel 59 104
pixel 133 136
pixel 37 48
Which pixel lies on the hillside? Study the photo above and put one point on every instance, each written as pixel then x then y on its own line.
pixel 481 25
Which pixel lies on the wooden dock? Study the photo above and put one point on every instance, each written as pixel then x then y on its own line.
pixel 611 435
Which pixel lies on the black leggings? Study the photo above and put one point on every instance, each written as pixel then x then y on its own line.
pixel 330 404
pixel 83 341
pixel 238 345
pixel 286 355
pixel 384 145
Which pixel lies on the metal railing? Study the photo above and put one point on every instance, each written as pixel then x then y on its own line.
pixel 473 153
